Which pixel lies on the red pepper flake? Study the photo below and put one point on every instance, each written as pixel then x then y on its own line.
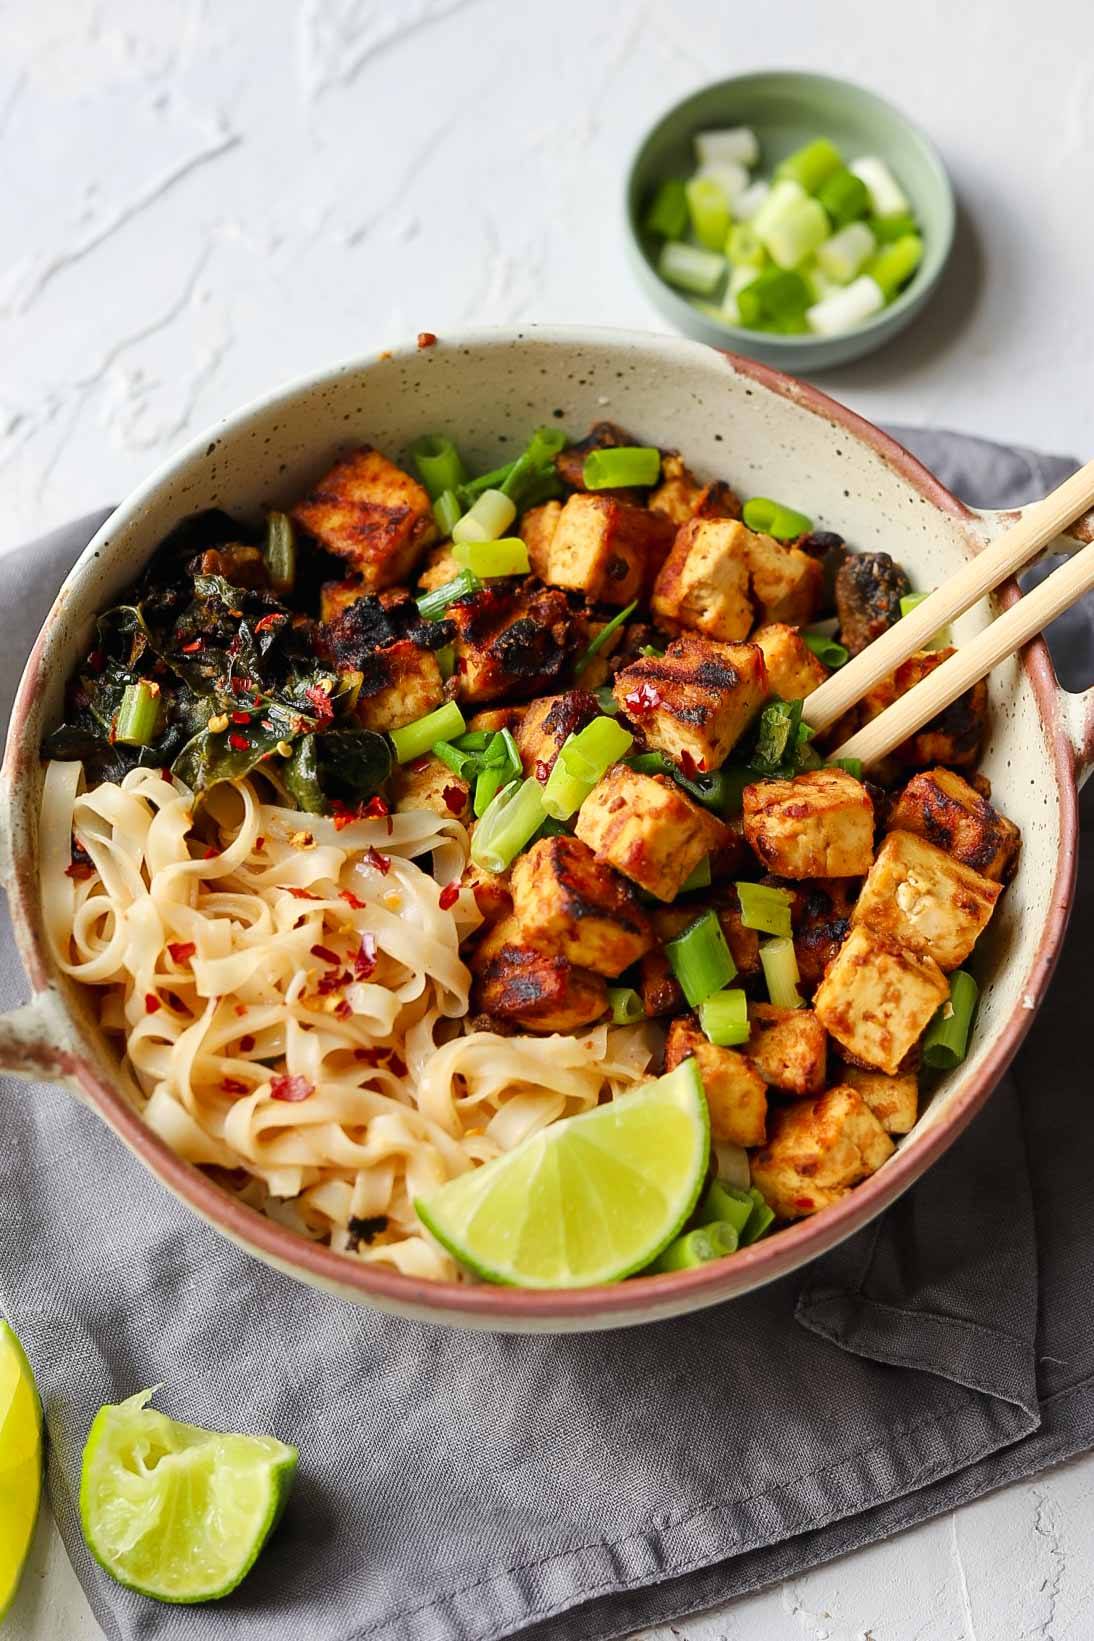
pixel 152 1004
pixel 690 765
pixel 181 950
pixel 79 870
pixel 397 1066
pixel 241 717
pixel 212 852
pixel 426 339
pixel 284 1087
pixel 268 621
pixel 449 896
pixel 238 741
pixel 342 1010
pixel 642 700
pixel 351 899
pixel 455 799
pixel 461 665
pixel 333 980
pixel 419 765
pixel 542 771
pixel 320 700
pixel 364 963
pixel 192 648
pixel 326 955
pixel 380 862
pixel 96 660
pixel 247 1043
pixel 241 1009
pixel 232 1085
pixel 376 808
pixel 303 894
pixel 804 1202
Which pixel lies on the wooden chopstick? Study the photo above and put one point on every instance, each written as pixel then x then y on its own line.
pixel 972 661
pixel 977 576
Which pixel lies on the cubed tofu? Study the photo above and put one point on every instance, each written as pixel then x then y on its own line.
pixel 546 725
pixel 877 998
pixel 606 548
pixel 736 1092
pixel 439 568
pixel 822 921
pixel 529 988
pixel 648 829
pixel 600 667
pixel 681 497
pixel 786 583
pixel 404 683
pixel 695 701
pixel 336 596
pixel 744 944
pixel 818 1150
pixel 788 1047
pixel 510 642
pixel 494 718
pixel 893 1100
pixel 820 824
pixel 370 512
pixel 920 896
pixel 793 671
pixel 954 737
pixel 537 531
pixel 427 783
pixel 658 987
pixel 493 895
pixel 948 812
pixel 566 901
pixel 703 585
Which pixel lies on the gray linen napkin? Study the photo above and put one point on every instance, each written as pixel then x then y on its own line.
pixel 463 1487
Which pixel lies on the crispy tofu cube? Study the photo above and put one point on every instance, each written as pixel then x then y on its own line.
pixel 494 718
pixel 954 737
pixel 530 988
pixel 370 512
pixel 336 596
pixel 648 829
pixel 818 1150
pixel 537 531
pixel 786 583
pixel 570 462
pixel 941 807
pixel 403 683
pixel 546 725
pixel 492 893
pixel 822 922
pixel 744 944
pixel 820 824
pixel 658 987
pixel 510 642
pixel 735 1090
pixel 703 585
pixel 606 548
pixel 788 1047
pixel 920 896
pixel 877 998
pixel 566 901
pixel 427 783
pixel 439 568
pixel 680 496
pixel 793 671
pixel 893 1100
pixel 599 669
pixel 695 701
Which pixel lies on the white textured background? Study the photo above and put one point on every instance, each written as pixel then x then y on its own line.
pixel 199 198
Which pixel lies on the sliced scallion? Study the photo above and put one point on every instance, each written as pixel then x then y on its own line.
pixel 887 197
pixel 431 606
pixel 780 966
pixel 844 255
pixel 846 308
pixel 464 764
pixel 775 294
pixel 507 556
pixel 667 215
pixel 887 228
pixel 796 233
pixel 943 637
pixel 776 736
pixel 827 650
pixel 708 208
pixel 893 265
pixel 698 878
pixel 138 714
pixel 844 196
pixel 438 464
pixel 510 822
pixel 446 661
pixel 698 1247
pixel 597 644
pixel 811 166
pixel 853 766
pixel 735 145
pixel 744 248
pixel 724 1018
pixel 700 959
pixel 765 908
pixel 775 518
pixel 606 701
pixel 730 1204
pixel 946 1040
pixel 584 758
pixel 626 1005
pixel 279 553
pixel 446 511
pixel 622 466
pixel 488 518
pixel 412 740
pixel 535 467
pixel 689 267
pixel 760 1220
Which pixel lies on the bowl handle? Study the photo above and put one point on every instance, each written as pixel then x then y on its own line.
pixel 29 1047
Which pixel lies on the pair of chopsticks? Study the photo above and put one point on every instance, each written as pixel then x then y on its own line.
pixel 1007 633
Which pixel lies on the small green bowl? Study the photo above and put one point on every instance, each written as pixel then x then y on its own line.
pixel 787 109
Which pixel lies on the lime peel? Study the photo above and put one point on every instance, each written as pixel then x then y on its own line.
pixel 20 1462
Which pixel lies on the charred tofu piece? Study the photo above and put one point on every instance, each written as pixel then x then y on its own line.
pixel 566 901
pixel 658 987
pixel 493 719
pixel 511 642
pixel 439 568
pixel 893 1100
pixel 570 463
pixel 606 548
pixel 537 531
pixel 735 1090
pixel 695 701
pixel 369 512
pixel 954 737
pixel 587 626
pixel 787 585
pixel 820 824
pixel 793 671
pixel 493 895
pixel 681 497
pixel 427 783
pixel 877 998
pixel 648 829
pixel 403 683
pixel 530 988
pixel 921 897
pixel 546 725
pixel 818 1150
pixel 703 585
pixel 336 596
pixel 744 944
pixel 941 807
pixel 788 1047
pixel 868 590
pixel 821 918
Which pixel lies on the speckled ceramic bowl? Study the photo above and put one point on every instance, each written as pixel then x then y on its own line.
pixel 735 420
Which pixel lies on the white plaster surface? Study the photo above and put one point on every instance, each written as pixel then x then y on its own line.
pixel 199 198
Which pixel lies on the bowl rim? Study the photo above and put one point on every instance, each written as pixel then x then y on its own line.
pixel 797 349
pixel 643 1298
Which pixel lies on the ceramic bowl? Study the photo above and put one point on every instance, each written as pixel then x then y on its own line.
pixel 787 109
pixel 734 419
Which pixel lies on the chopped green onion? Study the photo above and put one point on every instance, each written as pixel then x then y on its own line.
pixel 895 264
pixel 806 757
pixel 776 294
pixel 431 606
pixel 731 178
pixel 700 959
pixel 737 145
pixel 776 736
pixel 780 965
pixel 414 739
pixel 759 1220
pixel 698 878
pixel 606 701
pixel 690 267
pixel 651 649
pixel 774 518
pixel 827 650
pixel 584 758
pixel 467 494
pixel 138 714
pixel 446 511
pixel 476 740
pixel 438 463
pixel 844 196
pixel 446 661
pixel 279 553
pixel 887 197
pixel 796 233
pixel 708 208
pixel 507 556
pixel 626 1005
pixel 668 212
pixel 551 828
pixel 508 825
pixel 500 763
pixel 943 637
pixel 844 255
pixel 464 764
pixel 724 1018
pixel 535 467
pixel 729 1204
pixel 698 1247
pixel 622 466
pixel 853 766
pixel 895 226
pixel 713 789
pixel 606 631
pixel 745 204
pixel 488 518
pixel 946 1040
pixel 846 308
pixel 743 247
pixel 811 166
pixel 765 908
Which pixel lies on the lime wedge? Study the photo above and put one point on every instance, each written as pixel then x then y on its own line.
pixel 176 1512
pixel 588 1200
pixel 20 1462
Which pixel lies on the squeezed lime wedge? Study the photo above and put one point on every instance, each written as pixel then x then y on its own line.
pixel 176 1512
pixel 590 1199
pixel 20 1462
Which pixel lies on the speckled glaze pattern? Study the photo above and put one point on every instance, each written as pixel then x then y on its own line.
pixel 734 419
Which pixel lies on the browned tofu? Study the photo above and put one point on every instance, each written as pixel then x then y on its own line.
pixel 788 1047
pixel 403 683
pixel 492 893
pixel 536 529
pixel 893 1100
pixel 439 568
pixel 921 897
pixel 510 642
pixel 877 998
pixel 820 824
pixel 658 987
pixel 599 669
pixel 606 548
pixel 744 944
pixel 492 719
pixel 532 989
pixel 954 737
pixel 948 812
pixel 427 783
pixel 546 725
pixel 695 701
pixel 570 463
pixel 787 584
pixel 793 671
pixel 370 512
pixel 680 496
pixel 818 1150
pixel 336 596
pixel 703 584
pixel 566 901
pixel 821 917
pixel 868 590
pixel 648 829
pixel 735 1090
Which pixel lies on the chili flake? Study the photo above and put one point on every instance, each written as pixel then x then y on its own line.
pixel 238 741
pixel 303 894
pixel 325 955
pixel 642 700
pixel 181 950
pixel 351 899
pixel 426 339
pixel 364 963
pixel 152 1004
pixel 232 1085
pixel 449 896
pixel 247 1043
pixel 193 647
pixel 268 621
pixel 373 858
pixel 285 1087
pixel 690 765
pixel 455 799
pixel 542 771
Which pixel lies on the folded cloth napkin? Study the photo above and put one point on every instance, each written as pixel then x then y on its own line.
pixel 459 1487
